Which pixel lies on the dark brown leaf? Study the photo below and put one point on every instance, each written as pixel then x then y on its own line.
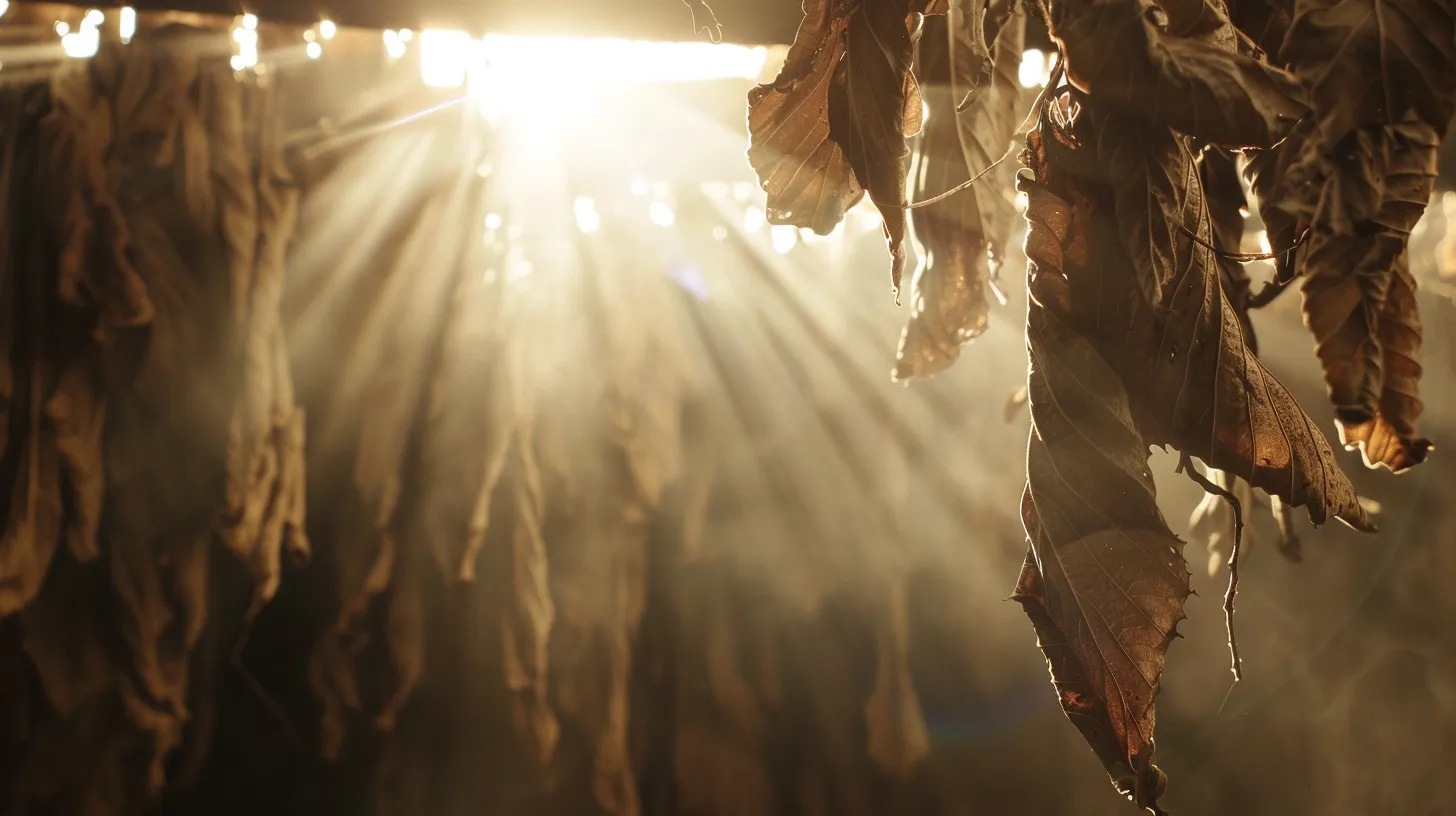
pixel 1373 61
pixel 962 237
pixel 1389 438
pixel 1200 387
pixel 1190 79
pixel 1105 582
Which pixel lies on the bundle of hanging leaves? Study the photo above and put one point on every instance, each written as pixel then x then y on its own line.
pixel 1137 325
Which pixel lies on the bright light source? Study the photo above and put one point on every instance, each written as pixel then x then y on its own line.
pixel 94 18
pixel 247 55
pixel 445 57
pixel 250 22
pixel 327 29
pixel 127 23
pixel 720 233
pixel 587 218
pixel 492 221
pixel 82 43
pixel 924 111
pixel 4 7
pixel 1263 238
pixel 62 28
pixel 310 36
pixel 661 214
pixel 405 35
pixel 1035 69
pixel 753 220
pixel 783 237
pixel 541 78
pixel 313 50
pixel 393 45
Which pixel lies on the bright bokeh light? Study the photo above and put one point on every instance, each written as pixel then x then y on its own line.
pixel 588 220
pixel 661 214
pixel 62 28
pixel 83 42
pixel 542 78
pixel 1035 69
pixel 393 44
pixel 250 22
pixel 753 220
pixel 492 222
pixel 4 7
pixel 126 24
pixel 445 57
pixel 313 50
pixel 327 29
pixel 783 237
pixel 247 41
pixel 94 18
pixel 720 233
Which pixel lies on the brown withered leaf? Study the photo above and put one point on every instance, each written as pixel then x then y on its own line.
pixel 833 124
pixel 804 171
pixel 1190 79
pixel 1219 175
pixel 1199 386
pixel 1388 438
pixel 1104 583
pixel 971 54
pixel 1373 61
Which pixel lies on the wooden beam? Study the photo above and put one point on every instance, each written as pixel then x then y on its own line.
pixel 763 22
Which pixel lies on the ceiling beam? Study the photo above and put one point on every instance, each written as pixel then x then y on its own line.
pixel 764 22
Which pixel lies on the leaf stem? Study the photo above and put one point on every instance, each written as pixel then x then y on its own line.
pixel 1186 465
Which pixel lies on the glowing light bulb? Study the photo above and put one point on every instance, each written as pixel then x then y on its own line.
pixel 327 29
pixel 661 214
pixel 313 50
pixel 127 23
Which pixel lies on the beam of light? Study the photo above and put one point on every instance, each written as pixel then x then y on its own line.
pixel 1035 69
pixel 126 24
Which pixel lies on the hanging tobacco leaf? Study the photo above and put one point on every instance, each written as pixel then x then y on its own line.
pixel 833 124
pixel 1388 437
pixel 972 55
pixel 1187 76
pixel 1200 387
pixel 1357 176
pixel 1104 582
pixel 1219 175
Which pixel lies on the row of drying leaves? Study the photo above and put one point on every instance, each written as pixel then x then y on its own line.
pixel 1137 328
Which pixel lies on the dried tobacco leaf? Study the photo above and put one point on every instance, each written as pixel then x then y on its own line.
pixel 1189 77
pixel 1199 386
pixel 1104 582
pixel 1388 437
pixel 833 124
pixel 971 54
